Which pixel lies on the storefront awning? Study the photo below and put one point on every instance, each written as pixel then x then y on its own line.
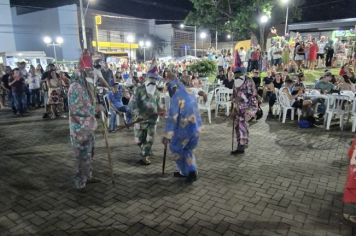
pixel 115 45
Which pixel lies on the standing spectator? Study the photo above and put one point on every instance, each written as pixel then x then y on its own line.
pixel 313 49
pixel 18 84
pixel 277 56
pixel 248 58
pixel 34 86
pixel 221 62
pixel 307 53
pixel 4 83
pixel 25 75
pixel 299 54
pixel 321 51
pixel 285 55
pixel 107 74
pixel 329 51
pixel 243 58
pixel 255 58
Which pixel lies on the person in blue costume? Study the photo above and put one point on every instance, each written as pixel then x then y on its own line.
pixel 183 128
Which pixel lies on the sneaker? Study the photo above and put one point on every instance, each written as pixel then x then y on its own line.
pixel 144 162
pixel 94 181
pixel 191 177
pixel 177 174
pixel 237 151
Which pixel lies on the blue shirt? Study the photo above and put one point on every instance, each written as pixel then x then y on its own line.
pixel 116 98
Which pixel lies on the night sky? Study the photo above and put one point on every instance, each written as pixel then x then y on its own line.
pixel 312 10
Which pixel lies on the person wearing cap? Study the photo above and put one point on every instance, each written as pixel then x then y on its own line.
pixel 324 85
pixel 244 108
pixel 116 105
pixel 183 129
pixel 145 105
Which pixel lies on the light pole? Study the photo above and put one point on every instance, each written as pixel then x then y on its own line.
pixel 182 26
pixel 144 45
pixel 58 42
pixel 286 2
pixel 203 36
pixel 82 20
pixel 130 39
pixel 263 20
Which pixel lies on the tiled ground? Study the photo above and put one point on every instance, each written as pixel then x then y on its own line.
pixel 289 182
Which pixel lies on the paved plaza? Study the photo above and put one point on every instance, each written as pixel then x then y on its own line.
pixel 289 182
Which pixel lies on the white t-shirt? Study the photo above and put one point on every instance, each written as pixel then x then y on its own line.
pixel 34 82
pixel 276 53
pixel 221 61
pixel 242 55
pixel 321 46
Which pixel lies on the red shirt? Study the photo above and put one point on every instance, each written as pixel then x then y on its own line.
pixel 255 56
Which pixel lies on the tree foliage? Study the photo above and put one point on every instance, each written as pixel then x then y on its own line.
pixel 238 17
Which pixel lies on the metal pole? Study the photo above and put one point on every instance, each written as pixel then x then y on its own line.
pixel 195 41
pixel 216 40
pixel 82 18
pixel 144 54
pixel 286 26
pixel 130 57
pixel 54 50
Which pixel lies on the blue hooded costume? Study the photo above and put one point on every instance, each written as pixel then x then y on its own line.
pixel 183 126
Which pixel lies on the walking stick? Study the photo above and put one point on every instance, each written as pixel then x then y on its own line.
pixel 107 147
pixel 164 158
pixel 233 134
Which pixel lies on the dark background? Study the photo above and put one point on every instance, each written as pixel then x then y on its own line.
pixel 312 10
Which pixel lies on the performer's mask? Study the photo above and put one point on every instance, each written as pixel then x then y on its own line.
pixel 238 81
pixel 150 87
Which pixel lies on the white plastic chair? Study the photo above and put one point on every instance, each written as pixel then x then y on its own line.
pixel 337 105
pixel 223 98
pixel 207 106
pixel 285 105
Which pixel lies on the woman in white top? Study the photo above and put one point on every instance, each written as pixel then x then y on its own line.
pixel 34 82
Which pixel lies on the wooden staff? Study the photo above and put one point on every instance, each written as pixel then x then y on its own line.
pixel 164 158
pixel 103 119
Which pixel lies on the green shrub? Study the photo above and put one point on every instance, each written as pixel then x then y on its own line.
pixel 205 68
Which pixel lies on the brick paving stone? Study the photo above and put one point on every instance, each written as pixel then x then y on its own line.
pixel 289 182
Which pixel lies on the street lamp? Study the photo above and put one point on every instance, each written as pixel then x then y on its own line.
pixel 58 42
pixel 182 26
pixel 130 39
pixel 203 36
pixel 264 19
pixel 286 2
pixel 228 36
pixel 144 45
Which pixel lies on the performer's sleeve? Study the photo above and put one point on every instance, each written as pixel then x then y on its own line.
pixel 133 104
pixel 172 119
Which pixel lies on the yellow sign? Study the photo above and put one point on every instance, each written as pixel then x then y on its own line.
pixel 98 20
pixel 116 45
